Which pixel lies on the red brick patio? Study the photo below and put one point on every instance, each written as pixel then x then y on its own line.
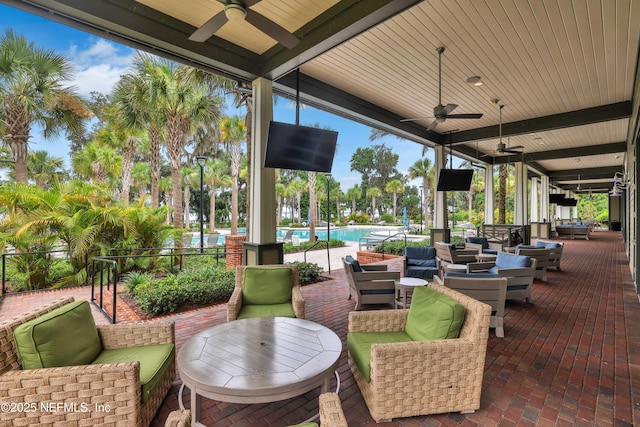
pixel 569 358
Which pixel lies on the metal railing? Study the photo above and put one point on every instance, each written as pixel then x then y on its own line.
pixel 381 242
pixel 313 246
pixel 109 264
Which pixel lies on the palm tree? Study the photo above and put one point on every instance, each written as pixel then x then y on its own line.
pixel 394 186
pixel 166 186
pixel 140 178
pixel 232 133
pixel 100 163
pixel 45 170
pixel 298 186
pixel 281 192
pixel 373 192
pixel 182 101
pixel 216 175
pixel 503 173
pixel 189 176
pixel 32 91
pixel 423 169
pixel 353 194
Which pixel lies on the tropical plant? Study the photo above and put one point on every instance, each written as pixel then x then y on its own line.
pixel 216 176
pixel 232 133
pixel 394 187
pixel 373 192
pixel 423 169
pixel 354 194
pixel 33 91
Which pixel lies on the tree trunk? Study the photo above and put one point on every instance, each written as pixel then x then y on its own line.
pixel 187 206
pixel 154 143
pixel 502 194
pixel 127 164
pixel 212 211
pixel 312 206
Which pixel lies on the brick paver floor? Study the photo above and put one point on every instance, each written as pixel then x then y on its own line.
pixel 571 357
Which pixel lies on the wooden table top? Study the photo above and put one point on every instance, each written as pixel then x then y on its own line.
pixel 259 360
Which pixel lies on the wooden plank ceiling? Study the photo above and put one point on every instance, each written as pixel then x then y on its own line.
pixel 564 70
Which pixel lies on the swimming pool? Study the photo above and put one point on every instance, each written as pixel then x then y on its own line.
pixel 347 234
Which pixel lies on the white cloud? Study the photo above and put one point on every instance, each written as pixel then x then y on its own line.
pixel 99 66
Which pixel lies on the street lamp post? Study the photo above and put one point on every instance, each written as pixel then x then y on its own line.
pixel 202 160
pixel 421 205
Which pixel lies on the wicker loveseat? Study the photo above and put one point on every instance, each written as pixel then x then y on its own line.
pixel 87 394
pixel 411 378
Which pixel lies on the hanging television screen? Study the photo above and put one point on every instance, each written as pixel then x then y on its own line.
pixel 568 202
pixel 300 147
pixel 455 179
pixel 556 198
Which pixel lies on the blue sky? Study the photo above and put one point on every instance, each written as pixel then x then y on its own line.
pixel 99 63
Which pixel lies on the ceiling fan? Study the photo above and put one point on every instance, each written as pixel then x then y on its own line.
pixel 443 112
pixel 501 147
pixel 237 11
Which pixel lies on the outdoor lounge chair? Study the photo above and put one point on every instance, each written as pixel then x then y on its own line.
pixel 266 291
pixel 58 355
pixel 420 262
pixel 400 376
pixel 448 254
pixel 542 256
pixel 482 245
pixel 370 284
pixel 490 290
pixel 519 271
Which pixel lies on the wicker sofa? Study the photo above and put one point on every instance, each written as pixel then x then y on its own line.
pixel 115 385
pixel 423 377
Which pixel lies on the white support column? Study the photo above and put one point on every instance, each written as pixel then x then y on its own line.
pixel 440 205
pixel 520 203
pixel 262 227
pixel 545 215
pixel 489 195
pixel 535 211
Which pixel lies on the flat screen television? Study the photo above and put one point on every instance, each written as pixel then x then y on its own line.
pixel 556 198
pixel 455 179
pixel 569 202
pixel 300 147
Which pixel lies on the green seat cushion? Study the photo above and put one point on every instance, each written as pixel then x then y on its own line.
pixel 268 310
pixel 66 336
pixel 266 285
pixel 433 316
pixel 154 360
pixel 359 346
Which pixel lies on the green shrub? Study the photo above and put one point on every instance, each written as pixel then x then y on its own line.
pixel 134 279
pixel 359 218
pixel 396 247
pixel 289 248
pixel 308 272
pixel 190 287
pixel 388 218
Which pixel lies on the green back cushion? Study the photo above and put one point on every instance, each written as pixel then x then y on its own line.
pixel 268 310
pixel 66 336
pixel 359 346
pixel 266 285
pixel 154 360
pixel 433 316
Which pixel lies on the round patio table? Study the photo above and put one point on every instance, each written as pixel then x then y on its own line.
pixel 258 360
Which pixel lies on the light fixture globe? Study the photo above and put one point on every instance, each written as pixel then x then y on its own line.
pixel 235 12
pixel 201 160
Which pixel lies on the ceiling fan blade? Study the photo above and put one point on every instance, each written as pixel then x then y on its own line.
pixel 273 30
pixel 448 109
pixel 415 119
pixel 433 125
pixel 465 116
pixel 249 3
pixel 516 146
pixel 209 28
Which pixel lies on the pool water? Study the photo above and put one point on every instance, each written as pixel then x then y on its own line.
pixel 347 234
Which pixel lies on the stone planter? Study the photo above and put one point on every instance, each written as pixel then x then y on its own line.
pixel 366 257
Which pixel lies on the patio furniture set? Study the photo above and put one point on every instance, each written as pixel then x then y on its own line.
pixel 267 351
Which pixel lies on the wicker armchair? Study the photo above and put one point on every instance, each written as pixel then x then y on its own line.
pixel 423 377
pixel 235 305
pixel 179 418
pixel 114 385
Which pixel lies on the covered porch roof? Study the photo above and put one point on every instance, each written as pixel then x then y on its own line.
pixel 565 71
